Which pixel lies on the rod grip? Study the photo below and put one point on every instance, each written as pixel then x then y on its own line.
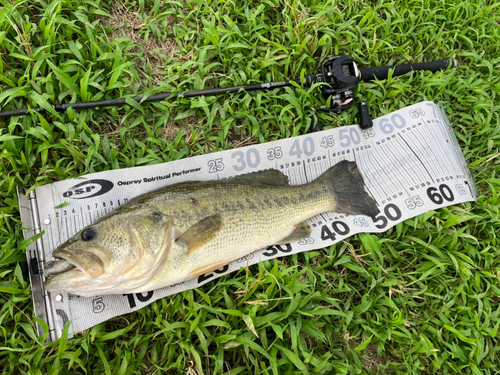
pixel 381 72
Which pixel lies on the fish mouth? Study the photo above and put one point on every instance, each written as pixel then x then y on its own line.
pixel 54 267
pixel 88 263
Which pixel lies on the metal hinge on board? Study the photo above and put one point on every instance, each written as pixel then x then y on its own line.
pixel 35 258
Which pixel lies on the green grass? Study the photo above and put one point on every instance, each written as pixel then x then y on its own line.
pixel 431 307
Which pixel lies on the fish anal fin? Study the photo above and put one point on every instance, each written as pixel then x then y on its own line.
pixel 206 269
pixel 201 233
pixel 270 177
pixel 301 231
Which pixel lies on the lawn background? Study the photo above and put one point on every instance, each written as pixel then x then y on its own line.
pixel 430 304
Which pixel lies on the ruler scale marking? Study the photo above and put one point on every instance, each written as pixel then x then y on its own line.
pixel 432 161
pixel 405 154
pixel 395 175
pixel 429 174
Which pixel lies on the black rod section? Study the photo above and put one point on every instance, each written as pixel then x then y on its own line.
pixel 381 72
pixel 308 81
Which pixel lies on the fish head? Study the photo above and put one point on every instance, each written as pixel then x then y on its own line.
pixel 114 255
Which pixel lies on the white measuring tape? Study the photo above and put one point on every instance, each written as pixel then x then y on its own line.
pixel 410 161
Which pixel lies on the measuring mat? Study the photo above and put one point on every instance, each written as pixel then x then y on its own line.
pixel 410 161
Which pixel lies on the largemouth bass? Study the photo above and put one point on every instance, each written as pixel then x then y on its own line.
pixel 185 230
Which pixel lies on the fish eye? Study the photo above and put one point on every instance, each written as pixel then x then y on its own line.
pixel 89 234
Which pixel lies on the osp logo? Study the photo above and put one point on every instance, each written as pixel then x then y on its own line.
pixel 89 189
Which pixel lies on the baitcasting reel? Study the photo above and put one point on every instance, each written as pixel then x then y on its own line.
pixel 342 74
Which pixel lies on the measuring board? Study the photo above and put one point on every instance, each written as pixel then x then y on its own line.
pixel 410 160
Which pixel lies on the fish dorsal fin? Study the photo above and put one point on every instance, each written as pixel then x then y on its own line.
pixel 201 232
pixel 301 231
pixel 271 177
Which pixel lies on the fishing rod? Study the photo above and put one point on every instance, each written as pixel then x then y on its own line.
pixel 339 75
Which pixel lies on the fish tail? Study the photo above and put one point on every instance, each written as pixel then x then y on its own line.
pixel 348 188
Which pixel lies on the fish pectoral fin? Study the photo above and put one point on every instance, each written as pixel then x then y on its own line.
pixel 177 232
pixel 301 231
pixel 201 233
pixel 206 269
pixel 271 177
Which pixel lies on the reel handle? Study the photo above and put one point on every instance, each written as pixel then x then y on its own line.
pixel 381 72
